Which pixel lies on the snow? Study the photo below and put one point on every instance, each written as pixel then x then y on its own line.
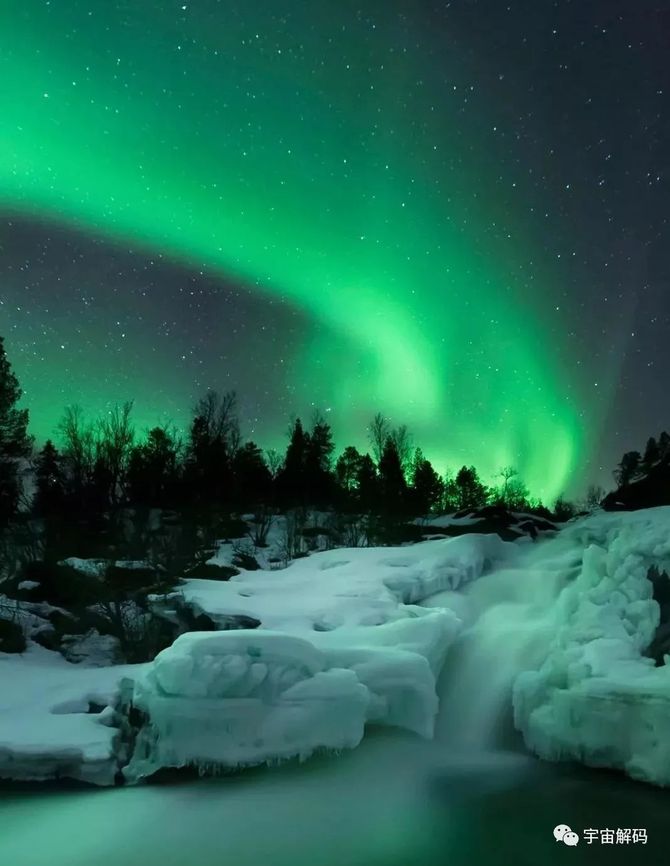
pixel 28 584
pixel 90 567
pixel 97 567
pixel 349 586
pixel 46 730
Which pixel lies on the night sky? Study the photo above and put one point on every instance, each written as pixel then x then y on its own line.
pixel 456 213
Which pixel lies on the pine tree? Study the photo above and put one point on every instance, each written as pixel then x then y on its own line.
pixel 252 478
pixel 347 468
pixel 470 491
pixel 427 486
pixel 319 480
pixel 153 470
pixel 214 438
pixel 50 482
pixel 628 469
pixel 15 443
pixel 367 485
pixel 291 477
pixel 664 445
pixel 652 454
pixel 392 484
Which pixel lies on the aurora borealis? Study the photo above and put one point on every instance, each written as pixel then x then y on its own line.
pixel 450 212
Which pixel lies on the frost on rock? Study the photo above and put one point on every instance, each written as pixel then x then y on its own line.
pixel 597 698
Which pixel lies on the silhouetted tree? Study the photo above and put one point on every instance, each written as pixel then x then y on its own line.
pixel 347 468
pixel 367 485
pixel 470 492
pixel 628 469
pixel 451 495
pixel 402 440
pixel 427 486
pixel 15 443
pixel 652 454
pixel 152 474
pixel 664 445
pixel 379 429
pixel 512 493
pixel 290 481
pixel 213 440
pixel 563 509
pixel 392 484
pixel 50 491
pixel 319 480
pixel 79 458
pixel 594 496
pixel 114 442
pixel 252 478
pixel 274 462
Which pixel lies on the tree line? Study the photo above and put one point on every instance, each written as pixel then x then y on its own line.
pixel 101 466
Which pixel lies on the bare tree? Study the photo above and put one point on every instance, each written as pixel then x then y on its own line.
pixel 291 541
pixel 379 430
pixel 594 496
pixel 115 439
pixel 262 523
pixel 219 413
pixel 402 439
pixel 513 493
pixel 78 445
pixel 274 461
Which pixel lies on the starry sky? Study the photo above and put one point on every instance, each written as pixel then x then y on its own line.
pixel 455 213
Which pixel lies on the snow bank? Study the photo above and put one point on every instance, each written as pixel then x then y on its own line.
pixel 340 645
pixel 349 586
pixel 50 720
pixel 596 698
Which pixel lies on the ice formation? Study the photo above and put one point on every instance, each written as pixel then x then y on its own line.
pixel 597 698
pixel 235 698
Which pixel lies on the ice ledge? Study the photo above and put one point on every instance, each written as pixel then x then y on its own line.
pixel 218 700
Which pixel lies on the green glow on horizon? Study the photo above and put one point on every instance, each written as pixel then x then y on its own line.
pixel 221 155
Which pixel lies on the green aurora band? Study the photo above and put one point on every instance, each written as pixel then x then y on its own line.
pixel 208 143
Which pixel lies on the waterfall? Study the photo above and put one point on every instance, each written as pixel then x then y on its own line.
pixel 509 618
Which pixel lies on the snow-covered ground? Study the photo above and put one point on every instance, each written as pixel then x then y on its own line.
pixel 357 636
pixel 51 724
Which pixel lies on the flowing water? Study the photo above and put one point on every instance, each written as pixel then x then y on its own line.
pixel 472 796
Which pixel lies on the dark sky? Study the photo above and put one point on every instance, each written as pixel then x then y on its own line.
pixel 456 213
